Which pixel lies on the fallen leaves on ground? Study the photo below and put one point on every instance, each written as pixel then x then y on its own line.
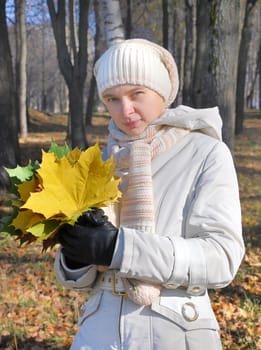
pixel 34 308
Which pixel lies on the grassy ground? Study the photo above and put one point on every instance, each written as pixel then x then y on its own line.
pixel 37 313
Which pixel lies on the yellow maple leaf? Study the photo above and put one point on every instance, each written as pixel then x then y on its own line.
pixel 25 219
pixel 73 184
pixel 26 188
pixel 45 229
pixel 74 155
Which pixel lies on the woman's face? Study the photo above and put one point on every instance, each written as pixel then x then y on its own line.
pixel 133 107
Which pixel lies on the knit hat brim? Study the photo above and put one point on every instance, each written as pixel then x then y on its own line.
pixel 138 62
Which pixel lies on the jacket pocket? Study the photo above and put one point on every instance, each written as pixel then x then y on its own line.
pixel 91 306
pixel 188 312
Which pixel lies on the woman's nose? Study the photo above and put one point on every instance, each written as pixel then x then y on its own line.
pixel 126 108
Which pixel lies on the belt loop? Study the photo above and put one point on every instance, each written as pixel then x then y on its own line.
pixel 113 286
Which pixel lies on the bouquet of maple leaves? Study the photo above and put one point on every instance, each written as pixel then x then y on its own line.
pixel 58 190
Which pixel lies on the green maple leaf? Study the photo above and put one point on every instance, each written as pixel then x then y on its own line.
pixel 45 228
pixel 59 151
pixel 21 173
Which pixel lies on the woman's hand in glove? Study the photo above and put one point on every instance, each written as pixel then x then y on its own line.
pixel 90 241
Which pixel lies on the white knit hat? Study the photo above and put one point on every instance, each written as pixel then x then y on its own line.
pixel 138 62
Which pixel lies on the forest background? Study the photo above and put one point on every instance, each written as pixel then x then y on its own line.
pixel 47 92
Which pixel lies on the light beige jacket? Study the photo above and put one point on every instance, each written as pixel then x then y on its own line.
pixel 197 245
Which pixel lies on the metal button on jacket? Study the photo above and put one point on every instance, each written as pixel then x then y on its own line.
pixel 189 311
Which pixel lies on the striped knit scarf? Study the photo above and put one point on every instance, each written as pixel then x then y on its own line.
pixel 133 157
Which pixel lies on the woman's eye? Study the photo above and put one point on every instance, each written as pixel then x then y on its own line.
pixel 111 99
pixel 137 93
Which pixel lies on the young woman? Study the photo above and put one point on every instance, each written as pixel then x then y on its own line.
pixel 176 231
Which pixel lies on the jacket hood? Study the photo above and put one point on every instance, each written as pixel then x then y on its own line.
pixel 206 120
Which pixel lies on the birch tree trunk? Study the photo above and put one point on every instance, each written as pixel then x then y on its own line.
pixel 114 30
pixel 21 76
pixel 218 38
pixel 73 68
pixel 9 150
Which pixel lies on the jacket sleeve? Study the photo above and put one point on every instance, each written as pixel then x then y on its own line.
pixel 208 251
pixel 79 279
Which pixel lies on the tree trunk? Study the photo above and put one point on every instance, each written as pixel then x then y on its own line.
pixel 165 23
pixel 242 64
pixel 92 89
pixel 259 73
pixel 251 95
pixel 9 150
pixel 21 53
pixel 178 42
pixel 113 21
pixel 218 38
pixel 43 63
pixel 128 22
pixel 72 68
pixel 76 114
pixel 190 51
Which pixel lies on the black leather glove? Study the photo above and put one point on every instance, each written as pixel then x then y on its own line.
pixel 90 241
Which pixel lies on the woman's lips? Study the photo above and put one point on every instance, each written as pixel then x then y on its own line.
pixel 132 124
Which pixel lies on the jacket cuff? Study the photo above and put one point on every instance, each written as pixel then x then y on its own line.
pixel 73 279
pixel 118 252
pixel 190 266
